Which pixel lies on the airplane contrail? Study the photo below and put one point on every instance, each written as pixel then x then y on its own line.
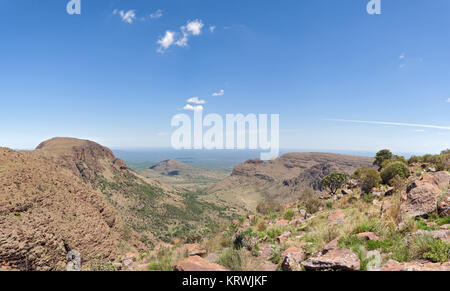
pixel 393 123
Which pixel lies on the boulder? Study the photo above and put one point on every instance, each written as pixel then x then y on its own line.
pixel 336 216
pixel 444 205
pixel 196 264
pixel 283 238
pixel 441 234
pixel 195 250
pixel 423 195
pixel 292 258
pixel 392 265
pixel 334 259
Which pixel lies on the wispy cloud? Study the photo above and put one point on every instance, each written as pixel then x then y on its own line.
pixel 448 100
pixel 190 107
pixel 196 100
pixel 192 28
pixel 157 14
pixel 126 16
pixel 220 93
pixel 212 28
pixel 392 123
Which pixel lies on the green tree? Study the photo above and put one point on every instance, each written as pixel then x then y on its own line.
pixel 367 178
pixel 382 156
pixel 334 181
pixel 395 169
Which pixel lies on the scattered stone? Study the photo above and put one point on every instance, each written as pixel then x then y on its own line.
pixel 392 265
pixel 352 184
pixel 283 238
pixel 336 216
pixel 196 264
pixel 332 244
pixel 195 250
pixel 444 205
pixel 334 259
pixel 368 236
pixel 292 258
pixel 129 259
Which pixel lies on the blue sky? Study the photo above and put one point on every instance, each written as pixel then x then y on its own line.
pixel 325 66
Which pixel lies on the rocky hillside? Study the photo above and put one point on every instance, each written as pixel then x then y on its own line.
pixel 283 179
pixel 401 228
pixel 46 211
pixel 72 194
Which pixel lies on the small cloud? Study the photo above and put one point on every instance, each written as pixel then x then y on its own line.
pixel 166 41
pixel 448 100
pixel 402 56
pixel 212 29
pixel 195 27
pixel 157 14
pixel 220 93
pixel 192 28
pixel 127 17
pixel 193 108
pixel 196 100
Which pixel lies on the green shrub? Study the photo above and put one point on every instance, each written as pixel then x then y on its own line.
pixel 367 178
pixel 234 260
pixel 334 181
pixel 395 169
pixel 313 205
pixel 289 214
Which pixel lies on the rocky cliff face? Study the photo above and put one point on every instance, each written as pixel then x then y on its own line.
pixel 46 211
pixel 284 179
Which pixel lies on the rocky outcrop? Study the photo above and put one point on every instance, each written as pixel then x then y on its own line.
pixel 292 258
pixel 46 212
pixel 333 259
pixel 423 195
pixel 392 265
pixel 196 264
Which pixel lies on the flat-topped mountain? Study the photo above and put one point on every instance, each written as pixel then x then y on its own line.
pixel 283 179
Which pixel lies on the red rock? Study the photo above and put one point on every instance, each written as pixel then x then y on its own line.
pixel 392 265
pixel 196 264
pixel 334 259
pixel 195 250
pixel 292 258
pixel 336 216
pixel 422 196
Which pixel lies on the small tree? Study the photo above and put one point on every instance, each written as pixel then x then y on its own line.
pixel 334 181
pixel 367 178
pixel 382 156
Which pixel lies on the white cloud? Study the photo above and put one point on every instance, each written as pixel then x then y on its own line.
pixel 402 56
pixel 193 108
pixel 220 93
pixel 195 27
pixel 448 100
pixel 127 17
pixel 192 28
pixel 212 28
pixel 157 14
pixel 196 100
pixel 166 41
pixel 393 123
